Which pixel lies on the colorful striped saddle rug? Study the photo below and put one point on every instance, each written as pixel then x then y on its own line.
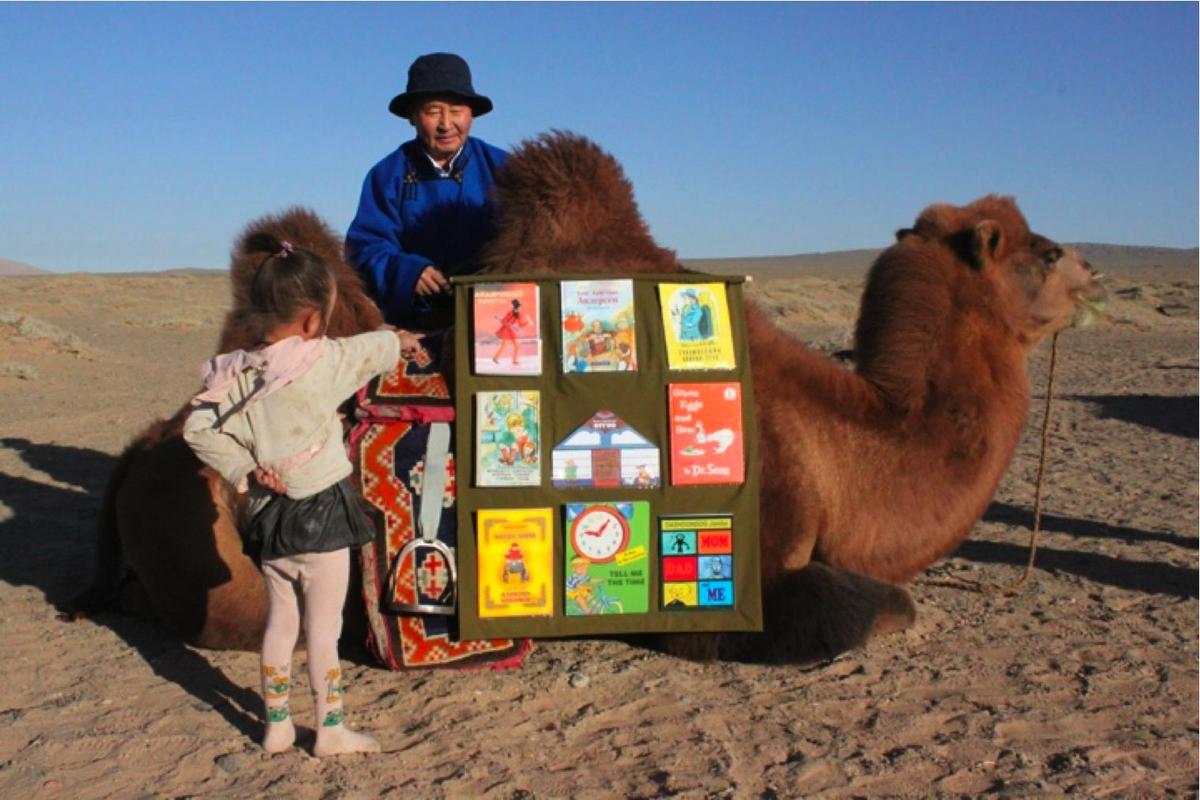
pixel 402 449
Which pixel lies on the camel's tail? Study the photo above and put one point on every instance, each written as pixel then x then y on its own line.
pixel 811 615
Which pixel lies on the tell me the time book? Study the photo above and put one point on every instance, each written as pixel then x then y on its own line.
pixel 705 427
pixel 695 319
pixel 515 557
pixel 607 558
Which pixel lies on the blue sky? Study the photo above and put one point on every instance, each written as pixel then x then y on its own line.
pixel 145 136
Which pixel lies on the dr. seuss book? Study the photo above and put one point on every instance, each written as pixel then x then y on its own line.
pixel 696 561
pixel 604 453
pixel 598 326
pixel 696 322
pixel 706 433
pixel 515 549
pixel 507 439
pixel 506 325
pixel 607 569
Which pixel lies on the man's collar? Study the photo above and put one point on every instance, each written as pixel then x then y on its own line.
pixel 437 168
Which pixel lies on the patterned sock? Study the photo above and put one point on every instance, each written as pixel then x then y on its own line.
pixel 281 733
pixel 325 579
pixel 333 737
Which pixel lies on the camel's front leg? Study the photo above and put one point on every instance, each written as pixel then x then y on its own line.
pixel 809 615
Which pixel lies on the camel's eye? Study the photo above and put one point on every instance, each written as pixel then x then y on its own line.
pixel 1051 257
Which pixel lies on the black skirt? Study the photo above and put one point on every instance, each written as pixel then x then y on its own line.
pixel 328 520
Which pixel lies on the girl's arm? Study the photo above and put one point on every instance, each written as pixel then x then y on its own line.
pixel 359 358
pixel 216 448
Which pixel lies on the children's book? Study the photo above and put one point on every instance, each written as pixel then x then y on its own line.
pixel 507 439
pixel 607 551
pixel 706 433
pixel 605 453
pixel 515 549
pixel 506 325
pixel 598 327
pixel 696 555
pixel 696 323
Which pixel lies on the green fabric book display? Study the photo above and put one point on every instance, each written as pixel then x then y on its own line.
pixel 604 429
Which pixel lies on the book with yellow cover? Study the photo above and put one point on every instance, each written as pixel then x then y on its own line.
pixel 515 548
pixel 696 323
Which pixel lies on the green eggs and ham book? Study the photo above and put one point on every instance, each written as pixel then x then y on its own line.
pixel 706 433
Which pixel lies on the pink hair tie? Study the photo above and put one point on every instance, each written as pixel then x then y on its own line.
pixel 286 250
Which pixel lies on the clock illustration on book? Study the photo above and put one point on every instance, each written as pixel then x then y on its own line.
pixel 599 533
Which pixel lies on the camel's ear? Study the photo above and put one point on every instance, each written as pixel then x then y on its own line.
pixel 904 233
pixel 986 243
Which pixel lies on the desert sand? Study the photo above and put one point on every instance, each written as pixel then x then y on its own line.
pixel 1084 682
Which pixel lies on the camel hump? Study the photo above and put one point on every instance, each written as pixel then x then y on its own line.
pixel 303 228
pixel 262 237
pixel 560 198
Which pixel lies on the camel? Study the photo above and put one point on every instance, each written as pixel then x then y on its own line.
pixel 868 476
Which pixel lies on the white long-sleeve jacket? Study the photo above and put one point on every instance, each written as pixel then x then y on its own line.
pixel 294 430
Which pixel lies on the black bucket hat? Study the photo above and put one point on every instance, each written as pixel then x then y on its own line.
pixel 439 73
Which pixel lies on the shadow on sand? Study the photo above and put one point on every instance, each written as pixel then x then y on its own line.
pixel 1008 514
pixel 1151 577
pixel 48 543
pixel 1176 415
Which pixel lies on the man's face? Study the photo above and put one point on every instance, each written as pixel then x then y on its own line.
pixel 442 125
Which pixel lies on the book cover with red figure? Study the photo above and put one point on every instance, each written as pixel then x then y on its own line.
pixel 507 329
pixel 515 549
pixel 706 433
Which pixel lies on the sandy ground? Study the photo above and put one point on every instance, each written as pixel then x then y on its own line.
pixel 1083 683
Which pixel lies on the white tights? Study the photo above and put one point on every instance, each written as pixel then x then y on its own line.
pixel 317 583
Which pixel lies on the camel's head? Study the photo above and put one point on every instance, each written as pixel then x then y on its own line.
pixel 564 205
pixel 1061 289
pixel 1042 286
pixel 1036 285
pixel 969 276
pixel 353 311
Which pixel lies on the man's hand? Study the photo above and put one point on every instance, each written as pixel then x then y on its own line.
pixel 432 281
pixel 269 479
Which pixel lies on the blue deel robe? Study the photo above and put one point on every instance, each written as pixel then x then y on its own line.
pixel 409 217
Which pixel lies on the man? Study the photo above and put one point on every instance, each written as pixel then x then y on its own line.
pixel 424 211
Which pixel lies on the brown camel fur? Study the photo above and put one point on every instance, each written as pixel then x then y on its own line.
pixel 867 477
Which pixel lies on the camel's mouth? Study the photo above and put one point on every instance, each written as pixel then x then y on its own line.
pixel 1089 306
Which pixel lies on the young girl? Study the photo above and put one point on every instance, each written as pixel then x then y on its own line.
pixel 267 422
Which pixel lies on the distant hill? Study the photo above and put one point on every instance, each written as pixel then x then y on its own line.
pixel 1108 256
pixel 1101 256
pixel 8 267
pixel 830 264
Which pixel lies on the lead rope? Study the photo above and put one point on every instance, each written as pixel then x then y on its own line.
pixel 975 586
pixel 1037 492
